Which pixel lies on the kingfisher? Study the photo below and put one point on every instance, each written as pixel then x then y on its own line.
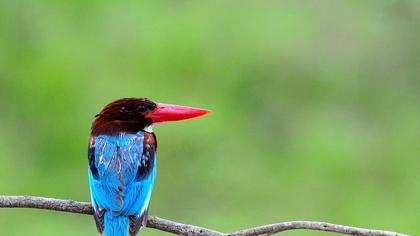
pixel 122 161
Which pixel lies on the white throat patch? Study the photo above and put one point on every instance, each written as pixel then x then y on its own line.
pixel 149 129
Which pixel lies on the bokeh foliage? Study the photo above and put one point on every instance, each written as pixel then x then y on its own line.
pixel 316 108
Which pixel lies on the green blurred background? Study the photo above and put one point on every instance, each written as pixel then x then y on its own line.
pixel 315 108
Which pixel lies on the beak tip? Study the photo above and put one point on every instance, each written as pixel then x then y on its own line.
pixel 200 112
pixel 206 111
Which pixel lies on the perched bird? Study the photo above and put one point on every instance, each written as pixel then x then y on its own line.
pixel 122 161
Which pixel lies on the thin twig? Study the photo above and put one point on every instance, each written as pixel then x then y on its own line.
pixel 186 229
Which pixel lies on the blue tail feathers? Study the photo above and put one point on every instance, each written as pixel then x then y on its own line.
pixel 115 225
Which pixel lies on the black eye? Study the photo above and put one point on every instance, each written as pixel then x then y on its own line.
pixel 141 108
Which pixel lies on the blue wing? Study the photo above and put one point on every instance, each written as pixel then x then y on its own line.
pixel 122 169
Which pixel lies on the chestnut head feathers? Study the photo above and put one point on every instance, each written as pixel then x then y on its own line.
pixel 123 115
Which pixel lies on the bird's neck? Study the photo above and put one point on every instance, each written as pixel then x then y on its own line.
pixel 113 127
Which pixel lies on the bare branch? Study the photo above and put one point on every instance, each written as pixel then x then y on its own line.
pixel 46 203
pixel 186 229
pixel 312 225
pixel 86 208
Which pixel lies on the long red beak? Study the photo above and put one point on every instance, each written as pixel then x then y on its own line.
pixel 168 112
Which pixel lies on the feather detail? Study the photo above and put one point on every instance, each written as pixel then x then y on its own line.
pixel 115 225
pixel 136 222
pixel 98 215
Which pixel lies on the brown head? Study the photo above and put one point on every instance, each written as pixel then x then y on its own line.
pixel 131 115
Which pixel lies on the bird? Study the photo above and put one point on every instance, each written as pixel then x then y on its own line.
pixel 122 161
